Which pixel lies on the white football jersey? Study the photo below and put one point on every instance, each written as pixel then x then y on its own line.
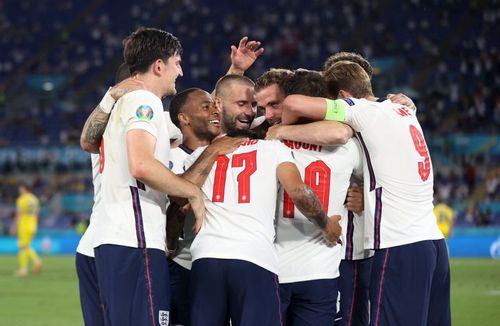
pixel 86 245
pixel 178 156
pixel 240 197
pixel 398 176
pixel 131 214
pixel 303 254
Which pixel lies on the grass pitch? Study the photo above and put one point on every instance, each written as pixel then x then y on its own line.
pixel 51 298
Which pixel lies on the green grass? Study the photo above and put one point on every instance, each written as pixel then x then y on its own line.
pixel 51 298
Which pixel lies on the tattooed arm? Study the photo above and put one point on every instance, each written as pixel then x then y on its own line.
pixel 307 202
pixel 199 171
pixel 90 138
pixel 92 131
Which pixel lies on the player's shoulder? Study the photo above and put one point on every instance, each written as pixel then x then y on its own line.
pixel 141 100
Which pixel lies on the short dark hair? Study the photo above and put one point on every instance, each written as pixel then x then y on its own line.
pixel 348 76
pixel 226 80
pixel 177 104
pixel 122 73
pixel 146 45
pixel 349 56
pixel 306 82
pixel 276 76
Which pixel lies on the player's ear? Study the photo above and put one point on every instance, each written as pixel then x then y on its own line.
pixel 158 67
pixel 183 119
pixel 343 94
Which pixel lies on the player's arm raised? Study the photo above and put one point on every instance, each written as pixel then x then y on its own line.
pixel 319 132
pixel 146 168
pixel 243 56
pixel 307 202
pixel 93 129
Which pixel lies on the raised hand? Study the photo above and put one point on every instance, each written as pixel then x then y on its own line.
pixel 243 56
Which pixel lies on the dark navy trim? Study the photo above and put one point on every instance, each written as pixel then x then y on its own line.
pixel 381 99
pixel 349 236
pixel 368 161
pixel 139 224
pixel 141 185
pixel 378 217
pixel 186 149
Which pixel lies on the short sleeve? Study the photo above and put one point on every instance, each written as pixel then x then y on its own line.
pixel 140 110
pixel 359 114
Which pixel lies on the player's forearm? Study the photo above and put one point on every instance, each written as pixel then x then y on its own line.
pixel 319 133
pixel 297 106
pixel 175 223
pixel 233 70
pixel 199 171
pixel 91 136
pixel 309 205
pixel 155 175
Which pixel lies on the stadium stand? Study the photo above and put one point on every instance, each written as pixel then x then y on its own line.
pixel 54 70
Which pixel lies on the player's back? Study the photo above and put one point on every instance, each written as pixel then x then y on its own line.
pixel 240 197
pixel 131 213
pixel 398 174
pixel 302 251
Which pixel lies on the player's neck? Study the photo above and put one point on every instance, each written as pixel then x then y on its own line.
pixel 371 98
pixel 151 84
pixel 193 142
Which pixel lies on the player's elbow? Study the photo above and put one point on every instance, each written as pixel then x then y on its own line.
pixel 343 135
pixel 138 170
pixel 89 147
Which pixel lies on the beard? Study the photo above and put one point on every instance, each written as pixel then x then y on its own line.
pixel 231 123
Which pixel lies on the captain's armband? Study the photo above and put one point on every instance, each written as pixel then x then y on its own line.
pixel 335 110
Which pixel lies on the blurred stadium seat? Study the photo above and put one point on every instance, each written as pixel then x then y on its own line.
pixel 56 62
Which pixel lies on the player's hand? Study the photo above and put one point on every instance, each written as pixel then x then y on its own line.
pixel 354 201
pixel 243 56
pixel 274 132
pixel 400 98
pixel 333 230
pixel 198 208
pixel 125 86
pixel 226 145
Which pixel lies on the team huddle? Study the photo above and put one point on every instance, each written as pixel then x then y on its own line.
pixel 319 212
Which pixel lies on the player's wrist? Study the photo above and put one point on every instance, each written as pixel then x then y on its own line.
pixel 107 102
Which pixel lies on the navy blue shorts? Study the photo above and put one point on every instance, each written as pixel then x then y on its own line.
pixel 309 303
pixel 410 285
pixel 134 285
pixel 179 288
pixel 354 288
pixel 245 292
pixel 89 290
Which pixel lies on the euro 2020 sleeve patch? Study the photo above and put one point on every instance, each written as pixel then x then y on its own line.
pixel 144 112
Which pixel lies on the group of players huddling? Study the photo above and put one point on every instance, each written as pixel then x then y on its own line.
pixel 317 213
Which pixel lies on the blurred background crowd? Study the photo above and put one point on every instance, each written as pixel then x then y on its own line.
pixel 444 54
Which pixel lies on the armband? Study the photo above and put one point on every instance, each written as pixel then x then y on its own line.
pixel 107 103
pixel 335 110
